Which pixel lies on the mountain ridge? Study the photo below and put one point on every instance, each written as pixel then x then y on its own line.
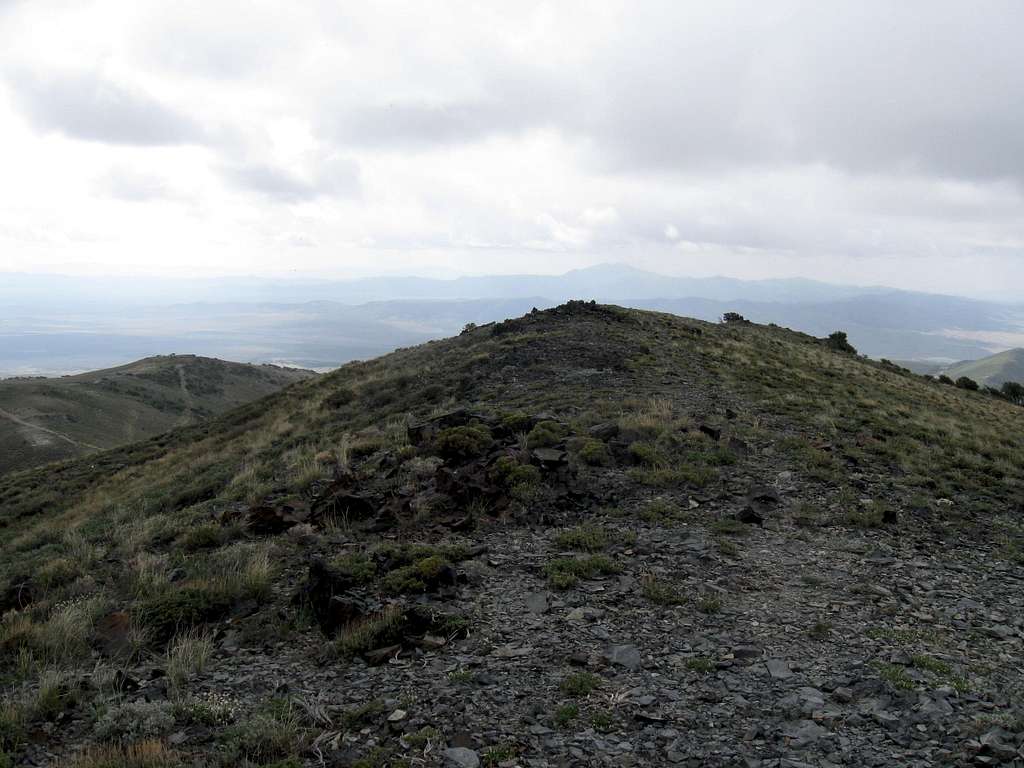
pixel 610 281
pixel 992 371
pixel 60 418
pixel 586 535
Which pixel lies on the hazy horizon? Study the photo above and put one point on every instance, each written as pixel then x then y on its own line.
pixel 431 274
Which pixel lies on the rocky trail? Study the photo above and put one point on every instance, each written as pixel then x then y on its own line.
pixel 775 645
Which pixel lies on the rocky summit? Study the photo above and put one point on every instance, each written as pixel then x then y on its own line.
pixel 589 536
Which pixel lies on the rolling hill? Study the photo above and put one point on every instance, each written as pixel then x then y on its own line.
pixel 992 371
pixel 585 536
pixel 51 419
pixel 322 324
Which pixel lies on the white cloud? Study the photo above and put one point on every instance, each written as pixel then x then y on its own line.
pixel 861 142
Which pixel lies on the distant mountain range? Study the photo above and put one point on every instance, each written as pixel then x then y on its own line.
pixel 606 281
pixel 58 324
pixel 49 419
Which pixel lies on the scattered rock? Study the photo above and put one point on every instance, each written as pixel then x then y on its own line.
pixel 270 518
pixel 461 757
pixel 326 594
pixel 627 656
pixel 743 652
pixel 759 503
pixel 339 502
pixel 536 602
pixel 713 432
pixel 806 734
pixel 604 431
pixel 778 669
pixel 379 656
pixel 738 447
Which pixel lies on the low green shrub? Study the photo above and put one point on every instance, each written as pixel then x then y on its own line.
pixel 546 434
pixel 463 443
pixel 594 453
pixel 166 614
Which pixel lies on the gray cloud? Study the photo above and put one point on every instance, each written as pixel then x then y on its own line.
pixel 85 106
pixel 922 88
pixel 222 42
pixel 916 87
pixel 834 135
pixel 334 176
pixel 131 185
pixel 510 102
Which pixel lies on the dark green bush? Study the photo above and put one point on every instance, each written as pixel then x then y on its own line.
pixel 463 443
pixel 340 398
pixel 417 577
pixel 1013 391
pixel 512 474
pixel 594 453
pixel 205 536
pixel 646 454
pixel 166 614
pixel 516 422
pixel 432 393
pixel 838 342
pixel 965 382
pixel 546 434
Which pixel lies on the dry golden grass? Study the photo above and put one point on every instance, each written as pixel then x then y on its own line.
pixel 146 754
pixel 187 655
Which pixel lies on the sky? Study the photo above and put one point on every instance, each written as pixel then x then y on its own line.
pixel 861 142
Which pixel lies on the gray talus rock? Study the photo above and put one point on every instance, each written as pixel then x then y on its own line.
pixel 461 757
pixel 778 669
pixel 536 602
pixel 627 656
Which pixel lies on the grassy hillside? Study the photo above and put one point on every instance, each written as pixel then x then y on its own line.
pixel 992 371
pixel 51 419
pixel 586 536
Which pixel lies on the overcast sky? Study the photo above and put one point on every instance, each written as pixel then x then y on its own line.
pixel 850 141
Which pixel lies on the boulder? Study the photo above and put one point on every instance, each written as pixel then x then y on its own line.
pixel 760 501
pixel 738 447
pixel 339 501
pixel 627 656
pixel 604 432
pixel 461 757
pixel 269 518
pixel 326 593
pixel 713 432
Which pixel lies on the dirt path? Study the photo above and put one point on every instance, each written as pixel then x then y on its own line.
pixel 186 416
pixel 35 427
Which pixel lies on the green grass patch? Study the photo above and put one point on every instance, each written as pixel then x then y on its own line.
pixel 700 664
pixel 584 538
pixel 565 572
pixel 565 715
pixel 579 684
pixel 661 592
